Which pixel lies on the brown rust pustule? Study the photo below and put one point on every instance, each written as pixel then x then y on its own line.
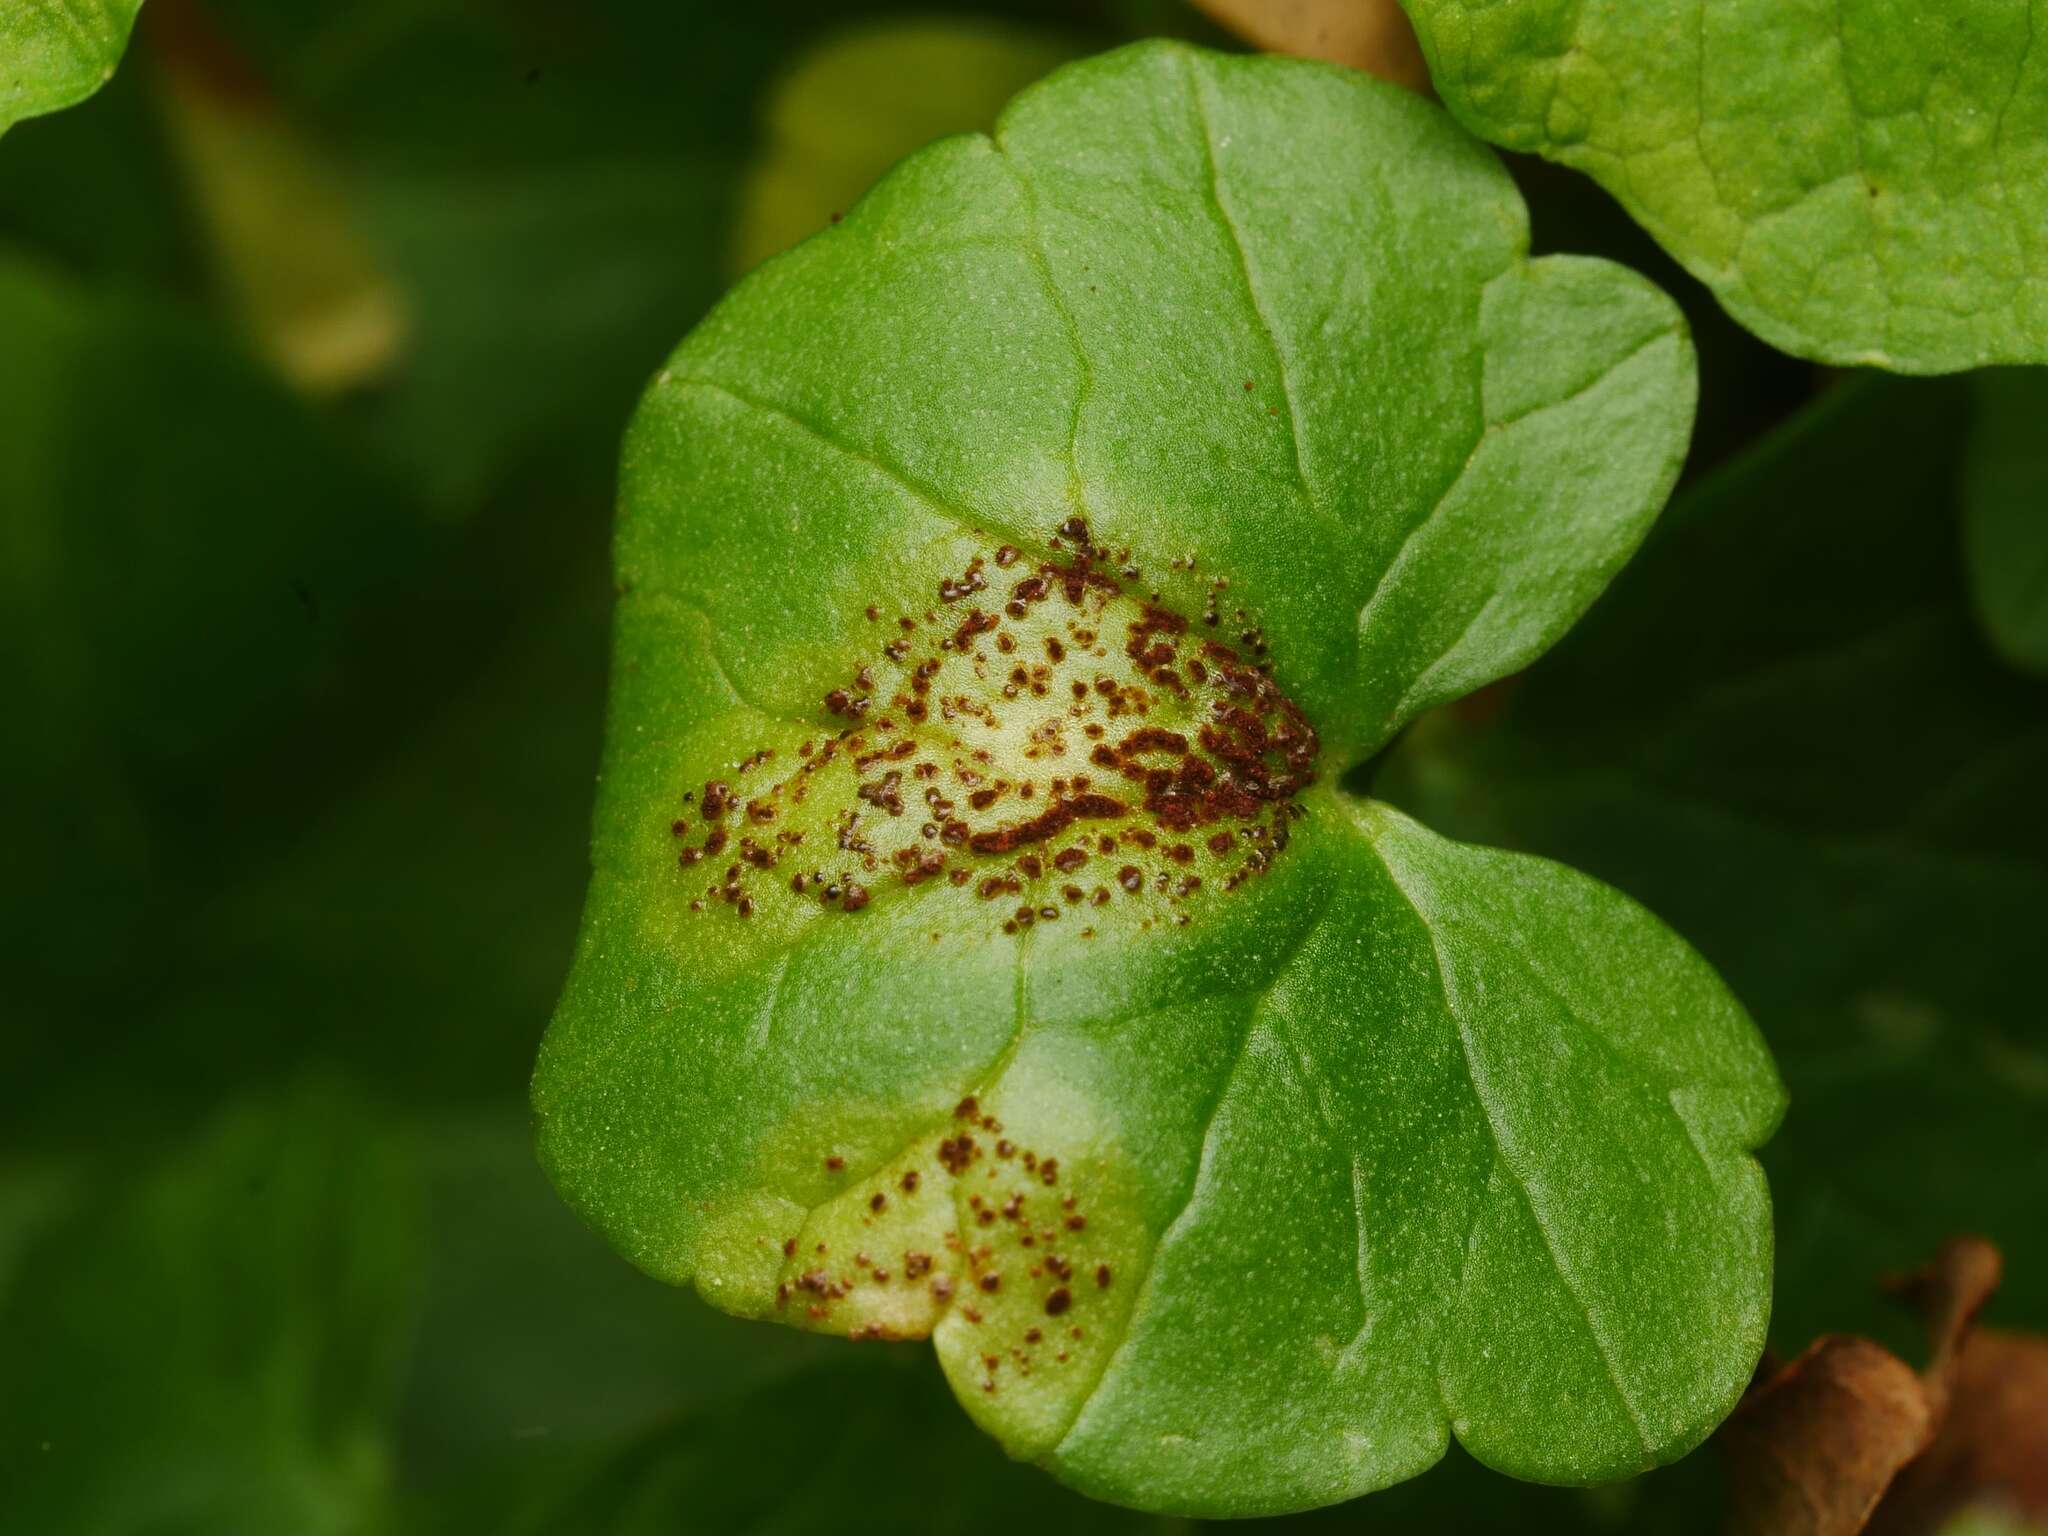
pixel 1041 713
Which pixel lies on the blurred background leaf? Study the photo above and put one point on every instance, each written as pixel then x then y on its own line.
pixel 245 1384
pixel 875 1440
pixel 188 557
pixel 2005 512
pixel 851 108
pixel 286 248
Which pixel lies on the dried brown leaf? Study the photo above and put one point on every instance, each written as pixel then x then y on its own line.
pixel 1992 1452
pixel 1848 1438
pixel 1372 35
pixel 1811 1451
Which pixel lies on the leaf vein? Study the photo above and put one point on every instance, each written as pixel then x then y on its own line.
pixel 1404 554
pixel 1238 1058
pixel 1475 1075
pixel 934 500
pixel 1234 234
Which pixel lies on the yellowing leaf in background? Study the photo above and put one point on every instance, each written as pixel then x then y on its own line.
pixel 855 106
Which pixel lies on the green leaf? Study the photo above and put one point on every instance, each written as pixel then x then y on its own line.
pixel 2005 515
pixel 1859 182
pixel 978 946
pixel 1783 732
pixel 211 1344
pixel 55 53
pixel 852 107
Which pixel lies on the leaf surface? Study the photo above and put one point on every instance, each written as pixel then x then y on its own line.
pixel 979 947
pixel 1782 730
pixel 55 53
pixel 1860 181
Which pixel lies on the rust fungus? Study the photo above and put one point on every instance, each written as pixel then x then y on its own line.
pixel 1041 713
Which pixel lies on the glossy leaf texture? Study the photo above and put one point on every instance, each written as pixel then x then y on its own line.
pixel 979 945
pixel 2005 514
pixel 1833 789
pixel 1859 182
pixel 55 53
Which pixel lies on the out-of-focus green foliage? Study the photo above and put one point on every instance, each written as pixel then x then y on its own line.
pixel 2005 513
pixel 874 1436
pixel 213 1343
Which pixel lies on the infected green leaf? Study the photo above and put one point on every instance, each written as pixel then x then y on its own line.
pixel 1859 181
pixel 980 946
